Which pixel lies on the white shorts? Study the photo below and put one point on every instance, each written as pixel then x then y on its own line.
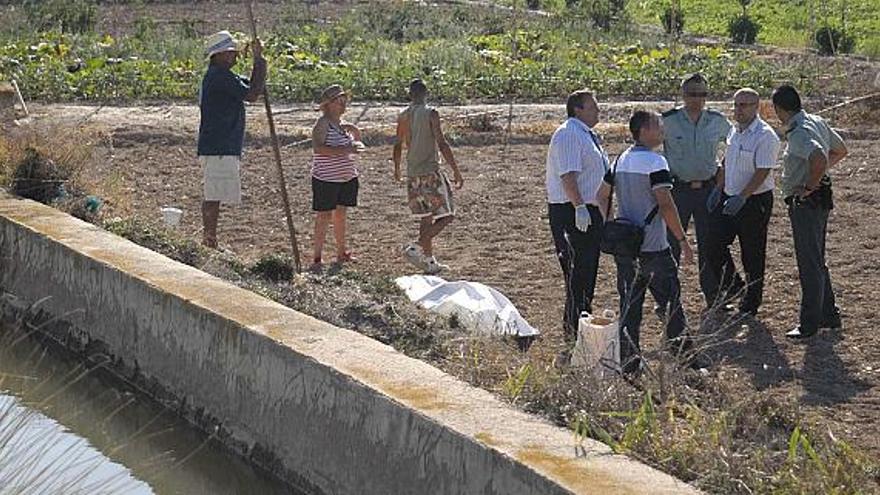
pixel 222 176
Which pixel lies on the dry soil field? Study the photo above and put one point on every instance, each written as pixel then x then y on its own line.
pixel 146 158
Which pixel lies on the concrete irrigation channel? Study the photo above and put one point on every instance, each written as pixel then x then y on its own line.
pixel 326 409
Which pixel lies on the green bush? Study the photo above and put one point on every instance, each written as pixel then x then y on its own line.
pixel 831 41
pixel 603 14
pixel 673 21
pixel 743 29
pixel 274 267
pixel 68 16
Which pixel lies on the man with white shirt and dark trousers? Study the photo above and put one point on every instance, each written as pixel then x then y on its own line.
pixel 742 201
pixel 642 183
pixel 576 164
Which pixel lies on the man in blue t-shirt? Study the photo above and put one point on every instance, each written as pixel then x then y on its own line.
pixel 221 129
pixel 643 185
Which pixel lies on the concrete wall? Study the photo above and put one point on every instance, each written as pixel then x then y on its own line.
pixel 328 409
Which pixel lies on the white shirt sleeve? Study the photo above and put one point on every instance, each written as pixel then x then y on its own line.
pixel 569 153
pixel 767 151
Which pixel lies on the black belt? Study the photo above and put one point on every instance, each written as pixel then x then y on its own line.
pixel 692 184
pixel 654 254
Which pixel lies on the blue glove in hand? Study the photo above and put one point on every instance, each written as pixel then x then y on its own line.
pixel 582 218
pixel 713 199
pixel 733 205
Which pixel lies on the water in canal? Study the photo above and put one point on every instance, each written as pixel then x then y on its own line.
pixel 68 430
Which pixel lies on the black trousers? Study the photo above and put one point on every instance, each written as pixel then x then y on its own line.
pixel 578 254
pixel 691 203
pixel 808 227
pixel 750 227
pixel 656 272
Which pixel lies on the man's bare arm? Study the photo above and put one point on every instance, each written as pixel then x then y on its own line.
pixel 669 213
pixel 258 73
pixel 755 182
pixel 570 187
pixel 397 152
pixel 445 149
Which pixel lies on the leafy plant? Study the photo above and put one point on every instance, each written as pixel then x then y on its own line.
pixel 68 16
pixel 831 41
pixel 516 382
pixel 672 20
pixel 743 30
pixel 274 267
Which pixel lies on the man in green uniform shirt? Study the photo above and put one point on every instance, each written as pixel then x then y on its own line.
pixel 813 147
pixel 693 137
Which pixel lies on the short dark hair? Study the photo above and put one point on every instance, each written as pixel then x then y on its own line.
pixel 417 87
pixel 695 78
pixel 639 120
pixel 576 100
pixel 787 98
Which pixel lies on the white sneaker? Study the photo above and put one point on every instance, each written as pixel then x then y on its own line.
pixel 433 267
pixel 413 253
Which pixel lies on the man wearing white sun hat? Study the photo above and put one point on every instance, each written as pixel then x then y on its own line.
pixel 221 129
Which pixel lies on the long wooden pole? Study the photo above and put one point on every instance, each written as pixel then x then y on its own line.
pixel 277 151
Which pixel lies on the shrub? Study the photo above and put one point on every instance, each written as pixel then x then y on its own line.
pixel 159 239
pixel 68 16
pixel 832 41
pixel 672 20
pixel 37 177
pixel 743 29
pixel 602 13
pixel 274 267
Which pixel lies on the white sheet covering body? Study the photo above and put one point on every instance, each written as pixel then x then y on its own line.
pixel 478 307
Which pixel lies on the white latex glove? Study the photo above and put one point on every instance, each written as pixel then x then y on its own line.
pixel 582 218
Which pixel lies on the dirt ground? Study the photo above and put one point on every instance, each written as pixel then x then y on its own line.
pixel 146 159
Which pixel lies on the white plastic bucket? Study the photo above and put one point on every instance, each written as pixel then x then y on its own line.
pixel 171 216
pixel 598 344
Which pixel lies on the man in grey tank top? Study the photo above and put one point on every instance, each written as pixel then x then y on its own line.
pixel 428 190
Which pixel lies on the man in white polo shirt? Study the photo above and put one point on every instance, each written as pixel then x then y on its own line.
pixel 741 204
pixel 576 164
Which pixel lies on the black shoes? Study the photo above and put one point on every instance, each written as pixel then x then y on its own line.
pixel 801 333
pixel 832 323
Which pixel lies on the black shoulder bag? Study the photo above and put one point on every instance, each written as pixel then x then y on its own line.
pixel 621 237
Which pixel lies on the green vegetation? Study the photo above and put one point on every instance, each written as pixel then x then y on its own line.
pixel 783 22
pixel 464 53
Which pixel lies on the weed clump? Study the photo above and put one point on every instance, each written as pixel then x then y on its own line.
pixel 274 267
pixel 160 240
pixel 37 177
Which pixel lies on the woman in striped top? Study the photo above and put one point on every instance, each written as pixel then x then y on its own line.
pixel 334 171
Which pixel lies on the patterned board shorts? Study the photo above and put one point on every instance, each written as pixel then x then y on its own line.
pixel 430 195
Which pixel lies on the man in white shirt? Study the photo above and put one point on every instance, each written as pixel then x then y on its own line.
pixel 576 164
pixel 741 204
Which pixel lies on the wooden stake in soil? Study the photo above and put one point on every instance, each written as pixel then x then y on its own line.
pixel 20 98
pixel 277 151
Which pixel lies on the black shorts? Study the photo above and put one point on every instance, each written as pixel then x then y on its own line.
pixel 326 196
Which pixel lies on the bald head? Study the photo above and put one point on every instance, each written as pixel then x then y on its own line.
pixel 745 106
